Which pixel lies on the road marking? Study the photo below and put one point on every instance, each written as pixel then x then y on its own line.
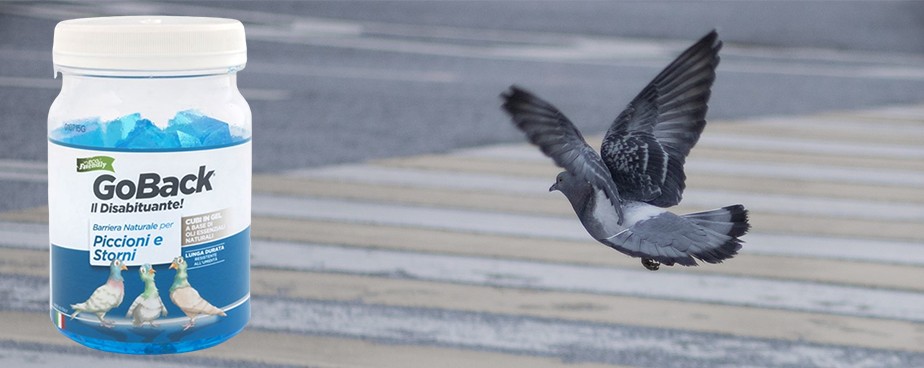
pixel 17 356
pixel 545 170
pixel 23 165
pixel 354 73
pixel 779 217
pixel 55 13
pixel 265 94
pixel 527 163
pixel 257 94
pixel 442 179
pixel 742 291
pixel 775 324
pixel 808 172
pixel 856 249
pixel 760 157
pixel 729 167
pixel 823 128
pixel 805 250
pixel 536 336
pixel 256 347
pixel 533 226
pixel 747 142
pixel 823 211
pixel 480 175
pixel 456 177
pixel 543 203
pixel 500 329
pixel 24 235
pixel 23 170
pixel 524 152
pixel 26 82
pixel 503 44
pixel 31 294
pixel 851 72
pixel 912 115
pixel 9 53
pixel 26 177
pixel 841 261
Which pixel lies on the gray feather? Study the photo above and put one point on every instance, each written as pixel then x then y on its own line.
pixel 647 144
pixel 560 140
pixel 669 239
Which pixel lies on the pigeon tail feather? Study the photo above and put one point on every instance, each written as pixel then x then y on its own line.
pixel 723 227
pixel 730 220
pixel 710 236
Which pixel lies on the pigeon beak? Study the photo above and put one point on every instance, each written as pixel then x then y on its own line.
pixel 123 268
pixel 173 265
pixel 152 271
pixel 554 187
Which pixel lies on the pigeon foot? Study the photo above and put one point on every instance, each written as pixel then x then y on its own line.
pixel 651 264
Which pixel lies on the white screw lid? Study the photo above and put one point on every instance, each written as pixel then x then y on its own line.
pixel 150 43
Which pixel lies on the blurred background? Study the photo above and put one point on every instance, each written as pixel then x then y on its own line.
pixel 400 220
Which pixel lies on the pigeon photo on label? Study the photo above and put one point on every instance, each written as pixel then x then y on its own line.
pixel 184 296
pixel 147 306
pixel 105 297
pixel 621 194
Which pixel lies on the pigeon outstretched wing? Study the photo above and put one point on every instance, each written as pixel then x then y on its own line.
pixel 647 145
pixel 559 139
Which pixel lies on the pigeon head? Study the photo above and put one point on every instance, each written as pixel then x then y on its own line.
pixel 558 180
pixel 115 269
pixel 178 264
pixel 567 182
pixel 146 272
pixel 574 188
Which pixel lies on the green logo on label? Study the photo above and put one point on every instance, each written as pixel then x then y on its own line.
pixel 95 163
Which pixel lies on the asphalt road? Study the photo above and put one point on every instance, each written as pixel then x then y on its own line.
pixel 464 260
pixel 404 270
pixel 333 82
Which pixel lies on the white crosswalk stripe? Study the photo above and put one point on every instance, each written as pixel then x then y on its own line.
pixel 477 258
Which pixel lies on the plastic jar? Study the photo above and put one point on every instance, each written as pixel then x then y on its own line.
pixel 149 168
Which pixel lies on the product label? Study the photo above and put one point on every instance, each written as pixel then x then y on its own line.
pixel 154 240
pixel 143 207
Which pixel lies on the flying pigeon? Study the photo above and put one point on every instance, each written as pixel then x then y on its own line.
pixel 147 306
pixel 105 297
pixel 620 196
pixel 184 296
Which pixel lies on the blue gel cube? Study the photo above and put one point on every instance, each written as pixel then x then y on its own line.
pixel 146 135
pixel 203 130
pixel 118 129
pixel 186 140
pixel 188 129
pixel 220 137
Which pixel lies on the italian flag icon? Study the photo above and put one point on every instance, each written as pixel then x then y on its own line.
pixel 59 319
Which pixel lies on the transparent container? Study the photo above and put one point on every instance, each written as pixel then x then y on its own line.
pixel 149 166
